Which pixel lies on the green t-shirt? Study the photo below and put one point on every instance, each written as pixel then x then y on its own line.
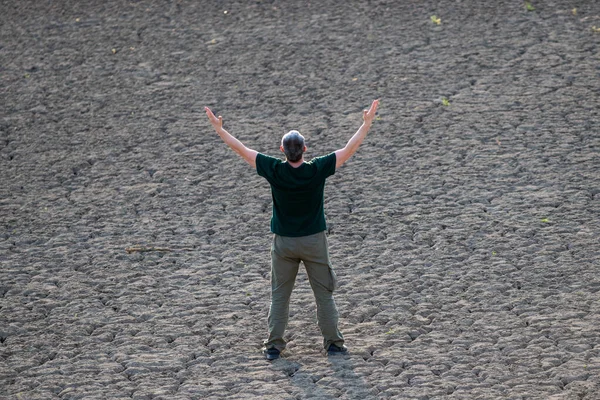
pixel 297 193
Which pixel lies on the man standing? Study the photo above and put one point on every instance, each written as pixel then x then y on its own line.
pixel 298 225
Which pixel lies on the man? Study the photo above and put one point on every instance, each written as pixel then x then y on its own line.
pixel 298 225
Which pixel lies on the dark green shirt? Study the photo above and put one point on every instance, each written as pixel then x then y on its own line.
pixel 297 193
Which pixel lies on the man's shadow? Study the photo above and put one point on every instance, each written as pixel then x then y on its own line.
pixel 332 378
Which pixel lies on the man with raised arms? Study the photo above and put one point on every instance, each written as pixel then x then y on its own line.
pixel 298 226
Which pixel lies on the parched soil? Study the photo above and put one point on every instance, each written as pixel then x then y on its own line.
pixel 465 231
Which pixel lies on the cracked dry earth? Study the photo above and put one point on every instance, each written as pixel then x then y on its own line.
pixel 465 235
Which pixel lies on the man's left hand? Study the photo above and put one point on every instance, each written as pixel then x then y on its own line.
pixel 216 122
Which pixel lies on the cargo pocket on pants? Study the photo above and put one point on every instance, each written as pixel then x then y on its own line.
pixel 333 280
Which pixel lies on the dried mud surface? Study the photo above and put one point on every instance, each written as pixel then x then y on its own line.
pixel 465 236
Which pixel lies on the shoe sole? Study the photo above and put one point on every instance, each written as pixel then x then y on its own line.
pixel 336 353
pixel 271 357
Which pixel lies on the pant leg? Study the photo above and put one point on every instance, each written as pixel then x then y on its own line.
pixel 315 255
pixel 284 269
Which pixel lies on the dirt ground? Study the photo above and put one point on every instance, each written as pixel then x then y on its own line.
pixel 464 232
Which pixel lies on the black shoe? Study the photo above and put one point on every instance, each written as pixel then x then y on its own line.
pixel 272 354
pixel 333 350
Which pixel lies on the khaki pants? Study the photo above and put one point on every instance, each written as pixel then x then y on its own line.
pixel 286 254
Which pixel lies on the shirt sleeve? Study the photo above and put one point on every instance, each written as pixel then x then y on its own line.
pixel 326 164
pixel 265 165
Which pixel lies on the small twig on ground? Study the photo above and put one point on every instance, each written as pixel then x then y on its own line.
pixel 138 249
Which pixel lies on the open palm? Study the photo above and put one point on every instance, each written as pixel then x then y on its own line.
pixel 216 122
pixel 369 115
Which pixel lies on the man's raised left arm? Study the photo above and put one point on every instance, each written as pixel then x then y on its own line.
pixel 247 154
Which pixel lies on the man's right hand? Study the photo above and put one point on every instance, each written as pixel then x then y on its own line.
pixel 369 115
pixel 342 155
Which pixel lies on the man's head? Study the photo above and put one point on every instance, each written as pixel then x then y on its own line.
pixel 292 144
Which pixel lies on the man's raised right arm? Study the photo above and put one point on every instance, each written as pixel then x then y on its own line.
pixel 342 155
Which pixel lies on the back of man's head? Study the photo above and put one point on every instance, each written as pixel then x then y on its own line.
pixel 293 145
